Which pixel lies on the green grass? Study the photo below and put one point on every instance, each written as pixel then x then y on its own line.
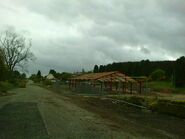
pixel 161 85
pixel 4 86
pixel 165 87
pixel 21 121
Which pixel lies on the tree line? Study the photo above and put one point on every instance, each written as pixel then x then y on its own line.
pixel 173 70
pixel 38 77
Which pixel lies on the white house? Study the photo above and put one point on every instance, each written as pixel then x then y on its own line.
pixel 51 77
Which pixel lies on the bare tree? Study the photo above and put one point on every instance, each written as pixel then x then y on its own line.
pixel 16 49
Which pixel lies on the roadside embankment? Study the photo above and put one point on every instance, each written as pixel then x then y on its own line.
pixel 155 104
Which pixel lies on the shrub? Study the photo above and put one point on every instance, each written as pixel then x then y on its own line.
pixel 4 86
pixel 22 84
pixel 13 81
pixel 47 82
pixel 158 75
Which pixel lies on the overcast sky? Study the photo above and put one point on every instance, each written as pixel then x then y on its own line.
pixel 68 35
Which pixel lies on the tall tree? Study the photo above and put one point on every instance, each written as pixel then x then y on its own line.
pixel 66 76
pixel 16 49
pixel 39 75
pixel 96 69
pixel 2 66
pixel 83 70
pixel 179 72
pixel 102 68
pixel 53 72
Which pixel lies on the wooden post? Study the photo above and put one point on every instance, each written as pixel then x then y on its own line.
pixel 94 85
pixel 140 87
pixel 131 87
pixel 116 86
pixel 105 83
pixel 111 84
pixel 71 83
pixel 75 83
pixel 125 84
pixel 123 87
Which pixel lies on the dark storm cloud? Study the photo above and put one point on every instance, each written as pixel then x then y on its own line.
pixel 73 34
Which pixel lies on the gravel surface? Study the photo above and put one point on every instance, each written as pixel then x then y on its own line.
pixel 63 119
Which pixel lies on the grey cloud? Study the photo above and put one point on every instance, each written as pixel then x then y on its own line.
pixel 144 50
pixel 73 34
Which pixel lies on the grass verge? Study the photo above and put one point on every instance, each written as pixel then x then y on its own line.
pixel 160 105
pixel 165 87
pixel 4 87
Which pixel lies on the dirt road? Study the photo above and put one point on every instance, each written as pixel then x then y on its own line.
pixel 65 120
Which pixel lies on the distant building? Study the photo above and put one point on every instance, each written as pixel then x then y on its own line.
pixel 51 77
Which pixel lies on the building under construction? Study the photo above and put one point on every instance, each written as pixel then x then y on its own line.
pixel 114 82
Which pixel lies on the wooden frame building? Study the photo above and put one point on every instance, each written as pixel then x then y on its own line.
pixel 108 81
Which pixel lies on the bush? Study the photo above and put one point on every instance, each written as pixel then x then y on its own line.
pixel 22 84
pixel 13 81
pixel 161 86
pixel 47 82
pixel 158 75
pixel 5 86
